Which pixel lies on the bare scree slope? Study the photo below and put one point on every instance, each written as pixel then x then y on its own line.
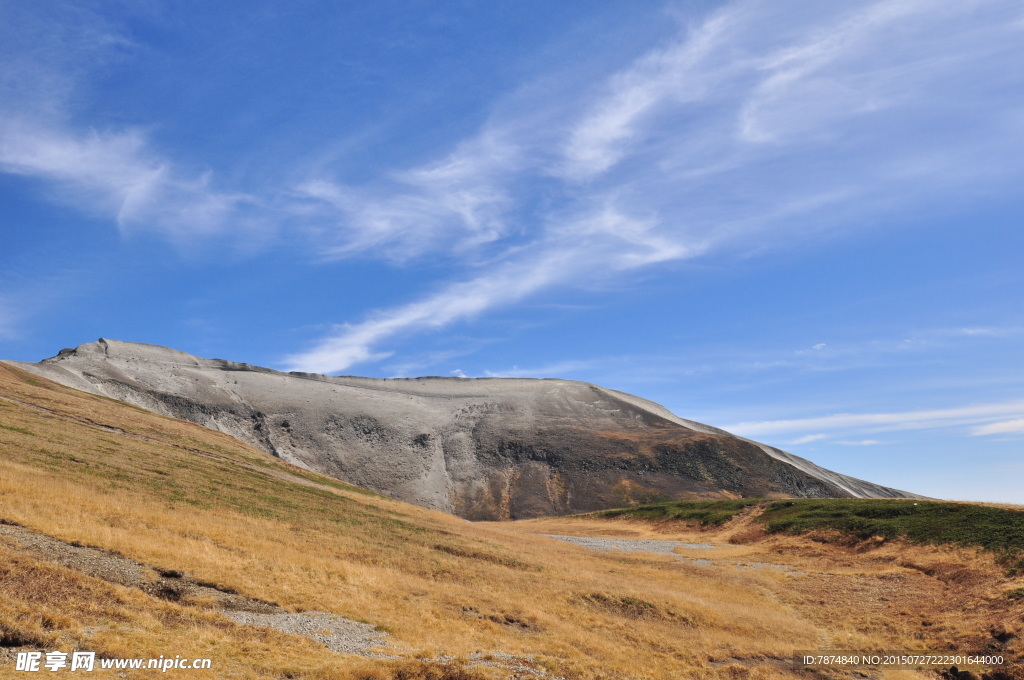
pixel 483 448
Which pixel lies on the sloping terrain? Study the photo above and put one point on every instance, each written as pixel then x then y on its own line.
pixel 135 535
pixel 480 448
pixel 997 529
pixel 142 502
pixel 870 581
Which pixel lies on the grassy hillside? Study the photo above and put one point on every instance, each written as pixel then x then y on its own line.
pixel 869 574
pixel 94 472
pixel 705 513
pixel 999 530
pixel 459 601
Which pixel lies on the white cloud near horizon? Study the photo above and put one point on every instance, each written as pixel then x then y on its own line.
pixel 555 370
pixel 903 420
pixel 353 343
pixel 807 439
pixel 1003 427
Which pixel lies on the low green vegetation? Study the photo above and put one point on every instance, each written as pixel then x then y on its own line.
pixel 934 522
pixel 1000 530
pixel 705 513
pixel 19 430
pixel 509 562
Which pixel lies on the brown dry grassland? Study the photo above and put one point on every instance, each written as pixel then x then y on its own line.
pixel 179 497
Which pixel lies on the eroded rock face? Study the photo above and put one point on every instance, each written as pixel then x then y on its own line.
pixel 482 448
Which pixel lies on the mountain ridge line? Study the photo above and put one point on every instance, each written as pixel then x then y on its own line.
pixel 481 448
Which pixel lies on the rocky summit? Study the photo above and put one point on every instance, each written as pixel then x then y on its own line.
pixel 482 448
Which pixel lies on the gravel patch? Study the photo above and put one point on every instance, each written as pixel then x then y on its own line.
pixel 332 631
pixel 656 547
pixel 522 667
pixel 630 545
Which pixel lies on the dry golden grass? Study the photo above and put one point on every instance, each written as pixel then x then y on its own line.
pixel 177 496
pixel 866 595
pixel 48 607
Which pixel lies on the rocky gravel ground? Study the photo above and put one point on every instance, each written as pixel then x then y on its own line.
pixel 632 545
pixel 332 631
pixel 658 547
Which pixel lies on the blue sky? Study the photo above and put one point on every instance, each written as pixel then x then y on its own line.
pixel 799 221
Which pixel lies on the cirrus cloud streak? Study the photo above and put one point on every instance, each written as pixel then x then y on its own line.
pixel 992 414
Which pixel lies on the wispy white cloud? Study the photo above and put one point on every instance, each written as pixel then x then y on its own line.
pixel 841 354
pixel 862 442
pixel 904 420
pixel 23 299
pixel 611 128
pixel 560 369
pixel 808 438
pixel 117 175
pixel 569 254
pixel 455 203
pixel 116 172
pixel 982 332
pixel 427 363
pixel 353 343
pixel 806 72
pixel 1003 427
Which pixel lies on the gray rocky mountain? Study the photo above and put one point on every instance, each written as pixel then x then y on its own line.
pixel 482 448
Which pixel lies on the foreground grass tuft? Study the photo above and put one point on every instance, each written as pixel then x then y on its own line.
pixel 629 607
pixel 420 670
